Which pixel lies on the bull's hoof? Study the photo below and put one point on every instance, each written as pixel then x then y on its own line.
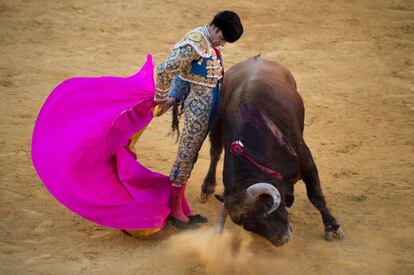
pixel 204 197
pixel 220 198
pixel 337 234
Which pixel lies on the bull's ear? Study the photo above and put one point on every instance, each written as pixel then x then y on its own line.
pixel 219 197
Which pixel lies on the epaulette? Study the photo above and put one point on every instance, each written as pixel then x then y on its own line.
pixel 198 41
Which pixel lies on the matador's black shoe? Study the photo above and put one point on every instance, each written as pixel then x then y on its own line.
pixel 197 218
pixel 181 224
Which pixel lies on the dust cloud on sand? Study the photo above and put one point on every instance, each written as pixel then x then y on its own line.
pixel 218 254
pixel 353 63
pixel 237 252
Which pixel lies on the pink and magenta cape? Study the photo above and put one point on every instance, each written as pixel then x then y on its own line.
pixel 80 150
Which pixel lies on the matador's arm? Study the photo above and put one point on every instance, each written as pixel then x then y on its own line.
pixel 180 58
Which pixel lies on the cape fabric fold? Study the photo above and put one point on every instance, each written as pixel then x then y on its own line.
pixel 80 150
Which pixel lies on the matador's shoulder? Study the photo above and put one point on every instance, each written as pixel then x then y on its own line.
pixel 198 40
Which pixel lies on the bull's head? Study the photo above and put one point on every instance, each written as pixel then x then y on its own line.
pixel 259 209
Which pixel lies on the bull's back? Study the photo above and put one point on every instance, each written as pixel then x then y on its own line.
pixel 266 84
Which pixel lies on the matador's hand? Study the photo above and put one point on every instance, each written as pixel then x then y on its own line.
pixel 166 105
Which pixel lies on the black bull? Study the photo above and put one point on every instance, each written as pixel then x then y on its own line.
pixel 261 108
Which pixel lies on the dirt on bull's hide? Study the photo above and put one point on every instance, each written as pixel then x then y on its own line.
pixel 354 68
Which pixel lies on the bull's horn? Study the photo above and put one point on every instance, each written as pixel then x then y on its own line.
pixel 255 190
pixel 221 219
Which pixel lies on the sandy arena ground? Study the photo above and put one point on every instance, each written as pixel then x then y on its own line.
pixel 353 62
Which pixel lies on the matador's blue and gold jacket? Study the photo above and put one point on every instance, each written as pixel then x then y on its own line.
pixel 192 60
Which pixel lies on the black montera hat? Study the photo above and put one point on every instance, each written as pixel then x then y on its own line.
pixel 229 24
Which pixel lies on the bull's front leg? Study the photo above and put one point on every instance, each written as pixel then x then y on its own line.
pixel 309 174
pixel 216 142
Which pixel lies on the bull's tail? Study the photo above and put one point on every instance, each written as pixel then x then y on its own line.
pixel 177 111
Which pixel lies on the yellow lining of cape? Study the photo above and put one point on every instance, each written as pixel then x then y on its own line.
pixel 134 140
